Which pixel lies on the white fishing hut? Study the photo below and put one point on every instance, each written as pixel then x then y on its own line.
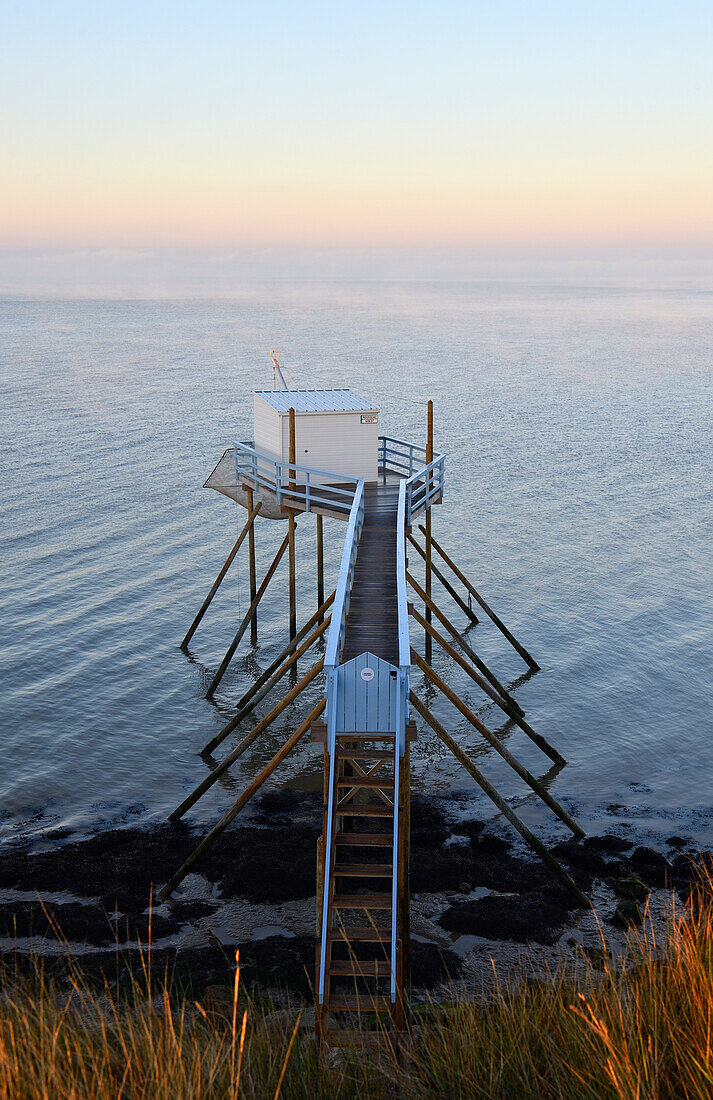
pixel 335 430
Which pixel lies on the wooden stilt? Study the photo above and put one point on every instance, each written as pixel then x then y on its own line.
pixel 290 648
pixel 291 522
pixel 428 555
pixel 444 581
pixel 538 739
pixel 232 756
pixel 253 574
pixel 247 529
pixel 320 562
pixel 246 619
pixel 481 665
pixel 405 890
pixel 504 807
pixel 298 651
pixel 490 737
pixel 527 657
pixel 242 801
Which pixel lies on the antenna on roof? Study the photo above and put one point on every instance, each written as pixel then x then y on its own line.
pixel 277 369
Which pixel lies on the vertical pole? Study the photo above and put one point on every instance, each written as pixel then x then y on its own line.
pixel 429 458
pixel 291 522
pixel 253 574
pixel 405 887
pixel 320 566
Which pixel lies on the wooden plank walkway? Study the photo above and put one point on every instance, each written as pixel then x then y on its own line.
pixel 372 622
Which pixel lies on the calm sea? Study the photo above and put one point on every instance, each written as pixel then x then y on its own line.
pixel 576 415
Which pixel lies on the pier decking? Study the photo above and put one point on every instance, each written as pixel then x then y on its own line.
pixel 372 621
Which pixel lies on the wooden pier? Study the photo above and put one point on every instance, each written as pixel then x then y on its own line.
pixel 363 724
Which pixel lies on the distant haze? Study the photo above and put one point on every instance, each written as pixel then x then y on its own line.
pixel 510 125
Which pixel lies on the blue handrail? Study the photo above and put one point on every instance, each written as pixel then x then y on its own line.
pixel 346 573
pixel 303 486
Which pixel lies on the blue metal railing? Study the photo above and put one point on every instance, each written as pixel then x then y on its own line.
pixel 304 487
pixel 342 596
pixel 424 487
pixel 402 679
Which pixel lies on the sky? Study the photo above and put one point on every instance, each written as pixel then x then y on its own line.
pixel 213 124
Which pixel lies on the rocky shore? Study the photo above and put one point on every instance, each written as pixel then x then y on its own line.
pixel 477 900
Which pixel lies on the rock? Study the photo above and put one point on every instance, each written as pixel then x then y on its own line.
pixel 465 888
pixel 626 914
pixel 217 1000
pixel 537 916
pixel 471 829
pixel 492 845
pixel 630 887
pixel 651 866
pixel 597 956
pixel 676 841
pixel 588 860
pixel 612 845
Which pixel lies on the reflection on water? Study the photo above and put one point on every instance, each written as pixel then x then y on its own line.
pixel 579 489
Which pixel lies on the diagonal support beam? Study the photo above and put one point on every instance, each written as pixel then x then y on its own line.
pixel 246 620
pixel 538 739
pixel 490 737
pixel 246 742
pixel 527 657
pixel 444 580
pixel 481 665
pixel 506 810
pixel 290 648
pixel 297 652
pixel 242 801
pixel 218 580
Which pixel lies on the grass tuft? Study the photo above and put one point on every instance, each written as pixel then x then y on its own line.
pixel 633 1030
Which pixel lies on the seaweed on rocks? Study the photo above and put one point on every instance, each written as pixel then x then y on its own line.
pixel 537 916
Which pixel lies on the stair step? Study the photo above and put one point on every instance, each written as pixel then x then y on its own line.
pixel 359 934
pixel 364 870
pixel 364 735
pixel 364 811
pixel 359 968
pixel 349 1037
pixel 349 1002
pixel 362 901
pixel 385 782
pixel 364 840
pixel 364 754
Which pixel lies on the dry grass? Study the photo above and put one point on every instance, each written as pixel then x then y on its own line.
pixel 642 1032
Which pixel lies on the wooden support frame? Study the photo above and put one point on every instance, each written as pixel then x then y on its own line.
pixel 527 657
pixel 252 573
pixel 247 529
pixel 301 633
pixel 291 532
pixel 480 665
pixel 245 797
pixel 444 581
pixel 320 562
pixel 506 810
pixel 537 738
pixel 297 652
pixel 492 740
pixel 232 756
pixel 246 619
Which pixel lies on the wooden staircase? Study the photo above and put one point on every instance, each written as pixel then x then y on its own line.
pixel 361 1003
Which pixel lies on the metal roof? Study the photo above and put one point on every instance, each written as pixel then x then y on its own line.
pixel 315 401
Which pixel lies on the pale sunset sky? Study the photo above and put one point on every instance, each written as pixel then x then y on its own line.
pixel 241 124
